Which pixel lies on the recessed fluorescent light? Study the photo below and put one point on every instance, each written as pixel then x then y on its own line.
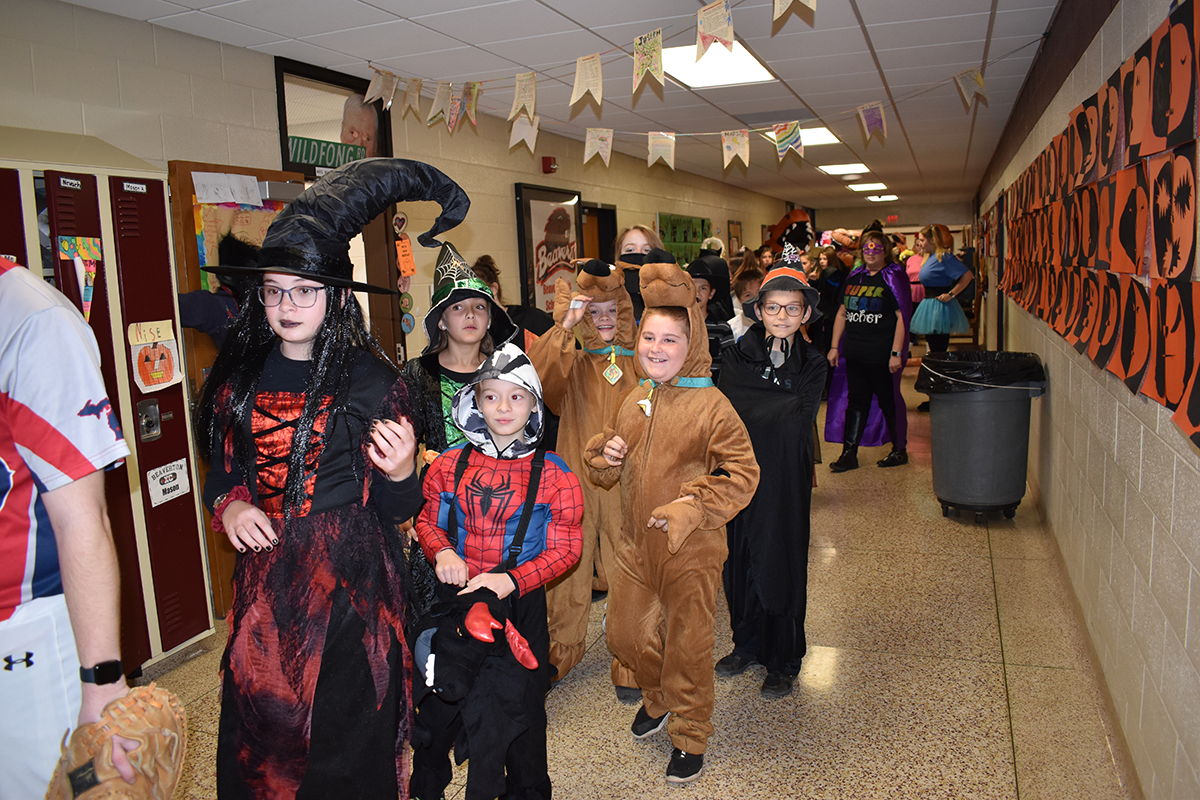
pixel 809 136
pixel 718 67
pixel 882 198
pixel 867 187
pixel 843 169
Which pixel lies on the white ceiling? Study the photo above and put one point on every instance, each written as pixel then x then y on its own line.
pixel 847 53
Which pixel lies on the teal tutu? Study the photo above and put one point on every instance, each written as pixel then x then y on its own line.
pixel 934 316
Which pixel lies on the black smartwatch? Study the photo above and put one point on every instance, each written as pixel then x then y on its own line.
pixel 103 673
pixel 895 354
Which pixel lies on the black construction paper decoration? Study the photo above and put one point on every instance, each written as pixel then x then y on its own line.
pixel 1106 333
pixel 1132 356
pixel 1172 118
pixel 1108 144
pixel 1129 242
pixel 1172 342
pixel 1070 301
pixel 1172 178
pixel 1081 139
pixel 1106 189
pixel 1080 336
pixel 1086 235
pixel 1135 100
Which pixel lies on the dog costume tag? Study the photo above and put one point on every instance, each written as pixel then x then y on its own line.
pixel 645 404
pixel 612 374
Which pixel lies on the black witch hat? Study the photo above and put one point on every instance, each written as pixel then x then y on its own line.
pixel 311 236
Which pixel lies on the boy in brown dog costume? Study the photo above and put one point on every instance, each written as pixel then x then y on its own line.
pixel 686 467
pixel 584 387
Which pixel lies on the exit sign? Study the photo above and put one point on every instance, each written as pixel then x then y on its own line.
pixel 893 219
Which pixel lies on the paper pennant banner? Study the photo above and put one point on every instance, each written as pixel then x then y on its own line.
pixel 872 119
pixel 382 87
pixel 714 23
pixel 647 57
pixel 85 274
pixel 970 83
pixel 787 137
pixel 599 142
pixel 662 145
pixel 525 97
pixel 736 144
pixel 587 78
pixel 412 97
pixel 454 115
pixel 470 98
pixel 781 6
pixel 524 130
pixel 441 103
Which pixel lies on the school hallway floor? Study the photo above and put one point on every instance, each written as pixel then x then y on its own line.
pixel 945 660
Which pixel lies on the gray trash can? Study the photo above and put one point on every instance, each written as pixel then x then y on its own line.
pixel 979 427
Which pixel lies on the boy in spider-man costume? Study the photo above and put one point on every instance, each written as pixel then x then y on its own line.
pixel 502 515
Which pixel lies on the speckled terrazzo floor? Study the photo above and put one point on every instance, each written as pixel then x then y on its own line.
pixel 945 661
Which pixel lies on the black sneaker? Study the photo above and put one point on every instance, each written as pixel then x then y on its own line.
pixel 629 694
pixel 777 685
pixel 645 725
pixel 684 767
pixel 894 459
pixel 732 664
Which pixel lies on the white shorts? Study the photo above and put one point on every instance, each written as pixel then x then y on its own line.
pixel 39 692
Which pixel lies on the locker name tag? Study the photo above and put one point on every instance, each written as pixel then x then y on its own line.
pixel 136 188
pixel 168 482
pixel 71 183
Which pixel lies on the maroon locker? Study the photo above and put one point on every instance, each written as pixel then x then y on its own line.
pixel 12 231
pixel 74 210
pixel 147 289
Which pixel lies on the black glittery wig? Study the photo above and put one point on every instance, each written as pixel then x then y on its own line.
pixel 308 239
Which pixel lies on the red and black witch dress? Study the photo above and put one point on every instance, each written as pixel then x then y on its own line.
pixel 316 675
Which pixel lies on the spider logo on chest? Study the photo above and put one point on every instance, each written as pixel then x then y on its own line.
pixel 501 492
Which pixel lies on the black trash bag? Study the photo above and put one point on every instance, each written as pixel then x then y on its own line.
pixel 972 371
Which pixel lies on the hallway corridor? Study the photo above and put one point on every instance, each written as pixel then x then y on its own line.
pixel 945 660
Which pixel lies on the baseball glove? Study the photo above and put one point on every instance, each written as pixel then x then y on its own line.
pixel 152 717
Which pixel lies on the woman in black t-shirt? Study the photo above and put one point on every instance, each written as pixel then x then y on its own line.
pixel 869 313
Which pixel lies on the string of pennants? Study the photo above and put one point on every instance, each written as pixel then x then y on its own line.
pixel 714 25
pixel 1101 227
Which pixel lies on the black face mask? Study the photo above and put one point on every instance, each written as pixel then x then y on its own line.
pixel 636 259
pixel 750 310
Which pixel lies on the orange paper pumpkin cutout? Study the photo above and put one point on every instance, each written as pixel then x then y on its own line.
pixel 1082 141
pixel 1132 354
pixel 1172 342
pixel 1106 332
pixel 1172 118
pixel 155 365
pixel 1135 100
pixel 1129 240
pixel 1173 214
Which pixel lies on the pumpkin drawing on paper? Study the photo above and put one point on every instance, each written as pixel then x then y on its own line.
pixel 155 365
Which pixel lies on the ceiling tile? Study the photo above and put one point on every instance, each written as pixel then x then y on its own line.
pixel 303 17
pixel 199 23
pixel 549 50
pixel 498 23
pixel 136 9
pixel 876 12
pixel 462 62
pixel 302 51
pixel 385 40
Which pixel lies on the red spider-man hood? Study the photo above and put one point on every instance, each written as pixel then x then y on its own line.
pixel 509 363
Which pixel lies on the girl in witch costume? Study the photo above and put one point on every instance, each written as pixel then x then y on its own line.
pixel 311 467
pixel 773 377
pixel 585 386
pixel 464 326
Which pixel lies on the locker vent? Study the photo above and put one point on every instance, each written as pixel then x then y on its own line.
pixel 170 615
pixel 127 218
pixel 64 213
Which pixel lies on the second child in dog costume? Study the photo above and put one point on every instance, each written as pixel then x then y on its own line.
pixel 584 387
pixel 686 467
pixel 483 530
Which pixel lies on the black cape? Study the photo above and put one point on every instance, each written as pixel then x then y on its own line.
pixel 779 417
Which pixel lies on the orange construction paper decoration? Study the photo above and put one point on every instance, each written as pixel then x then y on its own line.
pixel 1110 127
pixel 1105 203
pixel 1080 336
pixel 1081 138
pixel 1172 179
pixel 1172 342
pixel 1129 229
pixel 1172 117
pixel 1135 100
pixel 1106 332
pixel 1132 355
